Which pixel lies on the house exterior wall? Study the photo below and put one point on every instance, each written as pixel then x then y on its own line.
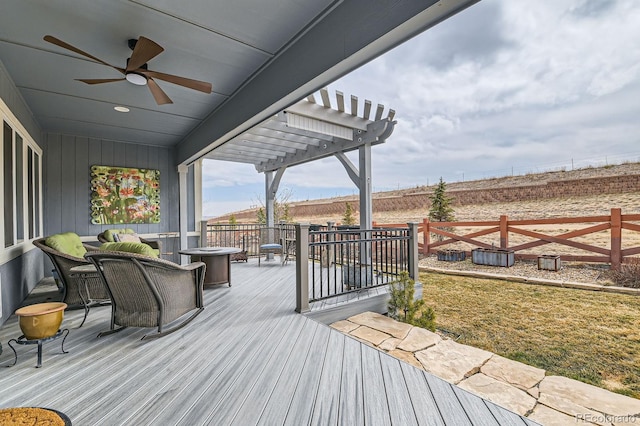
pixel 18 274
pixel 67 182
pixel 66 176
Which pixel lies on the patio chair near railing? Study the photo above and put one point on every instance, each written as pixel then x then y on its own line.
pixel 149 292
pixel 271 243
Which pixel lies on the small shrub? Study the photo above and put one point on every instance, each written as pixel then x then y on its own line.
pixel 404 308
pixel 627 276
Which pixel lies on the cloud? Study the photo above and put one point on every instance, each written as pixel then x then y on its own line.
pixel 502 87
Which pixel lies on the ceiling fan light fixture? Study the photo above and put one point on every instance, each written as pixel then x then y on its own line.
pixel 135 78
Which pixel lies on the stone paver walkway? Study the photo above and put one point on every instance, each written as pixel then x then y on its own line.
pixel 526 390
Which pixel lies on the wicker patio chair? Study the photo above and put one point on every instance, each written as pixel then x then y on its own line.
pixel 74 292
pixel 149 292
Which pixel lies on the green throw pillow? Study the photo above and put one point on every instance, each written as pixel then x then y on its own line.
pixel 138 248
pixel 67 243
pixel 108 234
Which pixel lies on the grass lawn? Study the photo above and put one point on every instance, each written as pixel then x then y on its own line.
pixel 585 335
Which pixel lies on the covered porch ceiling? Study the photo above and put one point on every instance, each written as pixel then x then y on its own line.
pixel 259 56
pixel 307 131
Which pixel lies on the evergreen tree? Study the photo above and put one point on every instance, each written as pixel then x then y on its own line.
pixel 347 218
pixel 404 308
pixel 441 210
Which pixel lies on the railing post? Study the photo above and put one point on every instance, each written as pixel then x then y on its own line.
pixel 504 232
pixel 330 248
pixel 425 236
pixel 616 238
pixel 302 267
pixel 413 250
pixel 203 234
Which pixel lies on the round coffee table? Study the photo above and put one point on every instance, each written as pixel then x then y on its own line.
pixel 218 261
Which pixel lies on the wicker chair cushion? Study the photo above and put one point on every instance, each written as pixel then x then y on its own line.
pixel 67 243
pixel 109 233
pixel 138 248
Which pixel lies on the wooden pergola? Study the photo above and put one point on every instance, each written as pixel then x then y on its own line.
pixel 308 131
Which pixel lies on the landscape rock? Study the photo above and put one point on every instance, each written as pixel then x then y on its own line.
pixel 419 339
pixel 344 326
pixel 452 361
pixel 564 405
pixel 549 417
pixel 382 323
pixel 515 373
pixel 390 344
pixel 405 356
pixel 505 395
pixel 588 396
pixel 369 335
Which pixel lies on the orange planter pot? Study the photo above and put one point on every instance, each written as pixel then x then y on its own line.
pixel 41 320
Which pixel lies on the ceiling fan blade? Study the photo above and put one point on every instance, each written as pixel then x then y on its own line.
pixel 99 80
pixel 60 43
pixel 144 51
pixel 158 94
pixel 201 86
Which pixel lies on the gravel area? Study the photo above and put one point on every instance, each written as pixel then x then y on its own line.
pixel 570 272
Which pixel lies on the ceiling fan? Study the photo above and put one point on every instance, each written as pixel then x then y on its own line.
pixel 136 71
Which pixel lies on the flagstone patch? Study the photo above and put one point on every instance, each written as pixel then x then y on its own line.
pixel 419 339
pixel 382 323
pixel 515 373
pixel 370 335
pixel 452 361
pixel 507 396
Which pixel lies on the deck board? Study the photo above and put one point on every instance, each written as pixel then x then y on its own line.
pixel 248 358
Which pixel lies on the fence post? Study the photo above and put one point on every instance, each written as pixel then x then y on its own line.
pixel 425 236
pixel 616 238
pixel 413 250
pixel 504 233
pixel 203 234
pixel 302 267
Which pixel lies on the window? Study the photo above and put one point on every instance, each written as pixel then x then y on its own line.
pixel 20 182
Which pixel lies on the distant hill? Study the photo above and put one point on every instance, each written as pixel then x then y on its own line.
pixel 591 181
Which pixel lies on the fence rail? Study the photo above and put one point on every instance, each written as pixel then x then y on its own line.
pixel 613 252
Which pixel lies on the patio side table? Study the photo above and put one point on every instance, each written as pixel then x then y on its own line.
pixel 218 261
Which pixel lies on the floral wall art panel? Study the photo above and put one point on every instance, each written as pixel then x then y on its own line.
pixel 124 195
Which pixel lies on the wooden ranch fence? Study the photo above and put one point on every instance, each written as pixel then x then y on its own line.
pixel 614 224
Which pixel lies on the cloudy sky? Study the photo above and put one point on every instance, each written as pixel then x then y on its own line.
pixel 503 87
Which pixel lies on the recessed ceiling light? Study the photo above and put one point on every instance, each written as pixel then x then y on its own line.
pixel 121 109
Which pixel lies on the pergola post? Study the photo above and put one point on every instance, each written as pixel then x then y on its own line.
pixel 183 219
pixel 270 199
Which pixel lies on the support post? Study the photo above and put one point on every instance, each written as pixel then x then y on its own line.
pixel 364 155
pixel 204 241
pixel 183 219
pixel 616 238
pixel 270 198
pixel 504 232
pixel 414 268
pixel 426 239
pixel 302 267
pixel 413 251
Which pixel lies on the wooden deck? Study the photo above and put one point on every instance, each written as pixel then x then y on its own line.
pixel 247 359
